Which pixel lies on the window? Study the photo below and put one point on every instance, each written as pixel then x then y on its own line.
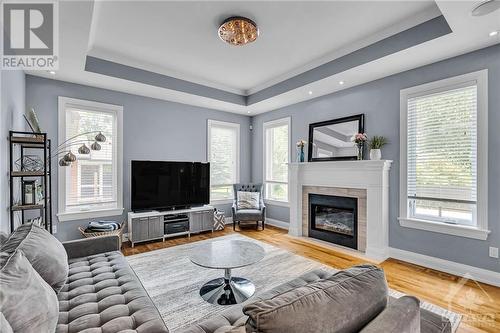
pixel 92 185
pixel 444 155
pixel 276 159
pixel 224 158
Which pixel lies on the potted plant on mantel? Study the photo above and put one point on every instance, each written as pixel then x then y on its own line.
pixel 376 143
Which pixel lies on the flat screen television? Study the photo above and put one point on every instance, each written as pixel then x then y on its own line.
pixel 160 185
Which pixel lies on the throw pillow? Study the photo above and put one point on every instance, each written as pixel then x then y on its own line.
pixel 3 238
pixel 45 253
pixel 27 302
pixel 4 324
pixel 347 300
pixel 248 200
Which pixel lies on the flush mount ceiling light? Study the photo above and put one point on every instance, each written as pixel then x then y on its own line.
pixel 237 30
pixel 486 7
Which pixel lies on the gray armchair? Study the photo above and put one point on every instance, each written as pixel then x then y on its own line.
pixel 244 215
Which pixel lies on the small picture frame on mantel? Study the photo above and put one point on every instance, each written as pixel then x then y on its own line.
pixel 28 192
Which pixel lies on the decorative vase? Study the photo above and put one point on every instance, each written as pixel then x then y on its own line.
pixel 360 151
pixel 375 154
pixel 300 154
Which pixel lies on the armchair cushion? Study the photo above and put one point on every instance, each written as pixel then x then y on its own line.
pixel 248 215
pixel 248 200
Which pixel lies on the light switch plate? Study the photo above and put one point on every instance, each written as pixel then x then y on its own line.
pixel 494 252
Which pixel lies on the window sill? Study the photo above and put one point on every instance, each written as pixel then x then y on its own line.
pixel 72 216
pixel 277 203
pixel 450 229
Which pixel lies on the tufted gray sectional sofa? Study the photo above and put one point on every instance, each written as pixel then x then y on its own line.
pixel 98 293
pixel 87 286
pixel 355 300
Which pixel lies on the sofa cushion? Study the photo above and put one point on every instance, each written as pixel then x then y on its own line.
pixel 346 301
pixel 27 302
pixel 401 316
pixel 3 238
pixel 45 253
pixel 4 325
pixel 103 294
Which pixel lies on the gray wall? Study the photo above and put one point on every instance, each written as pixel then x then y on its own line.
pixel 379 101
pixel 12 96
pixel 152 129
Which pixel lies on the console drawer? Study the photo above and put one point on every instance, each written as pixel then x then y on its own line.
pixel 175 227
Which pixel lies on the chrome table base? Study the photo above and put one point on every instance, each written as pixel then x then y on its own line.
pixel 227 290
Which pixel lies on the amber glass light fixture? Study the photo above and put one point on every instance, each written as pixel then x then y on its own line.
pixel 238 30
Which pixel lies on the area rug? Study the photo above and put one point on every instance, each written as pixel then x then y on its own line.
pixel 173 281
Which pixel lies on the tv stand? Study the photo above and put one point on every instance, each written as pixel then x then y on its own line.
pixel 154 225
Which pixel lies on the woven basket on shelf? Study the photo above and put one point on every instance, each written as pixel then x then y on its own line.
pixel 117 232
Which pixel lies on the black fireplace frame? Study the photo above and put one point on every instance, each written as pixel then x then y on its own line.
pixel 331 236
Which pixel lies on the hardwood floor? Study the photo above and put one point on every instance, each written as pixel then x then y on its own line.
pixel 478 302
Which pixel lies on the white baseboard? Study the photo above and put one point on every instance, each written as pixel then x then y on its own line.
pixel 277 223
pixel 451 267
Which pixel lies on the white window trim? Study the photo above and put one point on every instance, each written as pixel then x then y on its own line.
pixel 62 215
pixel 236 126
pixel 480 231
pixel 270 124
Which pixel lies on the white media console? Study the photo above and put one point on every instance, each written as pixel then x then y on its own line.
pixel 145 226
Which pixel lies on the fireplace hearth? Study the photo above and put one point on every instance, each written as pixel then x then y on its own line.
pixel 334 219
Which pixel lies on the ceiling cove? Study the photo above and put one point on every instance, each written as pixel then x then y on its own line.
pixel 421 33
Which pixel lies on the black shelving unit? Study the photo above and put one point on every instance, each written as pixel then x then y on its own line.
pixel 37 141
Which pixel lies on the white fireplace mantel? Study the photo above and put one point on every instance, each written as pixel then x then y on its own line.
pixel 373 176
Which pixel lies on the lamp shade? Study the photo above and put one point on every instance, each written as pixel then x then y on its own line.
pixel 63 162
pixel 95 146
pixel 69 157
pixel 84 150
pixel 100 137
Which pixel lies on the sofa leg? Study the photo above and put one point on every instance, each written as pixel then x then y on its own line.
pixel 263 225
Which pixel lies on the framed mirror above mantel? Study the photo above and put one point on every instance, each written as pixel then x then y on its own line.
pixel 331 140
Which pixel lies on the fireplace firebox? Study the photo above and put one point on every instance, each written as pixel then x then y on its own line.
pixel 334 219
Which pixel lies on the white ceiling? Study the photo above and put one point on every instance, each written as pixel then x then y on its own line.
pixel 180 38
pixel 171 42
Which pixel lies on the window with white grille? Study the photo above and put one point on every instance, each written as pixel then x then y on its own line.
pixel 224 158
pixel 91 185
pixel 276 159
pixel 444 151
